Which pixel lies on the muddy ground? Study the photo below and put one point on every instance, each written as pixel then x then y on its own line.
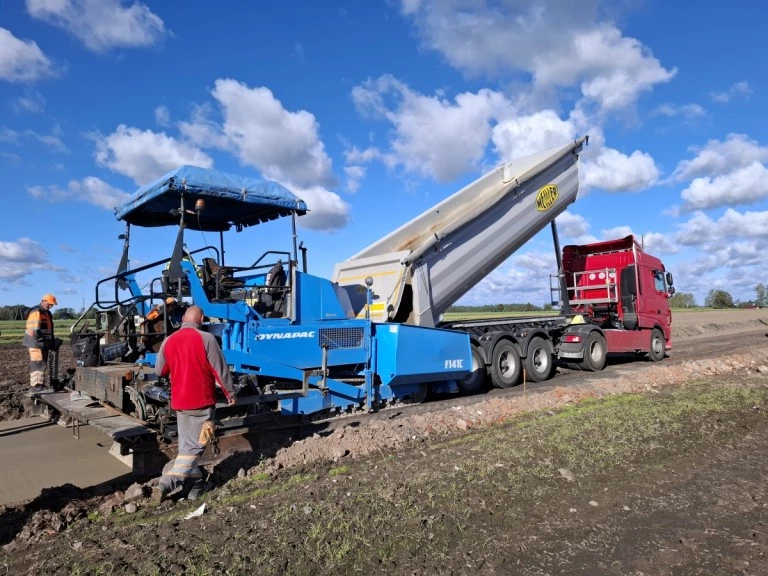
pixel 14 378
pixel 649 469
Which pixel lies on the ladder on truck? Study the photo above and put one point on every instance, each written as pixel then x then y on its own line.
pixel 429 263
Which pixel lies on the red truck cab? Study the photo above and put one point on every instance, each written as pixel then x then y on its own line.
pixel 625 291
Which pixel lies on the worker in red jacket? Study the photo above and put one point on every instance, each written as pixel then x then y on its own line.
pixel 195 363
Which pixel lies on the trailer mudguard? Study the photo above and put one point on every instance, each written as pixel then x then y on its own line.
pixel 575 350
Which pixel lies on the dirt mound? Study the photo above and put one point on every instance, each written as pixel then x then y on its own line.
pixel 691 325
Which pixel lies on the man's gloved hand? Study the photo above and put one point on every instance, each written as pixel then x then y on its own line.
pixel 57 342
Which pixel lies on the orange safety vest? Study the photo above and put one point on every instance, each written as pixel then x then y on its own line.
pixel 39 327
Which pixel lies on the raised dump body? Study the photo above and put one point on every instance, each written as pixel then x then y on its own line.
pixel 426 265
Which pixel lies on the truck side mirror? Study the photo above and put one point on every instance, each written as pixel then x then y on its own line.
pixel 669 279
pixel 671 290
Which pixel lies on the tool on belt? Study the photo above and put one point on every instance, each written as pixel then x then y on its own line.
pixel 208 435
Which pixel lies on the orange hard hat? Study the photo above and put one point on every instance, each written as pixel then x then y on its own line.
pixel 51 299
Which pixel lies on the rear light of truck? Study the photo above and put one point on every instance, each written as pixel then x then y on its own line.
pixel 572 338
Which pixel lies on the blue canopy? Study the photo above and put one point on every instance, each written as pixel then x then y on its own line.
pixel 229 200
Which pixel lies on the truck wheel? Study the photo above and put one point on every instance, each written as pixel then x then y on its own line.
pixel 472 383
pixel 656 351
pixel 538 362
pixel 505 367
pixel 595 353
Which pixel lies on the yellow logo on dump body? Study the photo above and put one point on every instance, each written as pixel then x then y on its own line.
pixel 546 197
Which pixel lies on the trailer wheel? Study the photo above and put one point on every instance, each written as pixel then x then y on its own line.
pixel 538 362
pixel 656 352
pixel 505 367
pixel 472 383
pixel 595 353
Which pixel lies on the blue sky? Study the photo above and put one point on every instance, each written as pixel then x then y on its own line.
pixel 373 112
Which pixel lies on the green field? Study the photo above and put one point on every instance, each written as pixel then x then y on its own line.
pixel 12 331
pixel 453 316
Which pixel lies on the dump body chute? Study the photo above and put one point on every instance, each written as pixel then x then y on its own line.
pixel 230 200
pixel 425 266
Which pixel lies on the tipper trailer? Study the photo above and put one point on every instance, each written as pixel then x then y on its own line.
pixel 300 345
pixel 612 295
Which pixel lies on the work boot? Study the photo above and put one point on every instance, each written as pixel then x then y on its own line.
pixel 159 493
pixel 197 490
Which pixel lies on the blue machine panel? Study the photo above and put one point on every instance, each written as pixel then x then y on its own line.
pixel 318 299
pixel 412 354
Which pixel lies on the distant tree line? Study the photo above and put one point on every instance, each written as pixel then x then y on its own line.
pixel 716 298
pixel 17 312
pixel 528 307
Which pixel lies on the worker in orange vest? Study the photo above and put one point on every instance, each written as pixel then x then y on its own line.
pixel 38 337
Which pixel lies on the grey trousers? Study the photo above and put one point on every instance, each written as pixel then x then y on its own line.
pixel 190 424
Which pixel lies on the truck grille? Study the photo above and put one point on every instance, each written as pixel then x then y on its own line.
pixel 335 338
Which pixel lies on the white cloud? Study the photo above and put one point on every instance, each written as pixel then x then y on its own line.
pixel 441 139
pixel 572 225
pixel 102 24
pixel 22 60
pixel 687 111
pixel 10 156
pixel 561 44
pixel 327 211
pixel 433 136
pixel 737 89
pixel 32 102
pixel 613 171
pixel 354 155
pixel 657 243
pixel 732 171
pixel 282 145
pixel 522 135
pixel 602 167
pixel 701 229
pixel 91 190
pixel 162 116
pixel 742 186
pixel 354 175
pixel 696 230
pixel 616 232
pixel 716 157
pixel 21 258
pixel 522 278
pixel 18 138
pixel 145 155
